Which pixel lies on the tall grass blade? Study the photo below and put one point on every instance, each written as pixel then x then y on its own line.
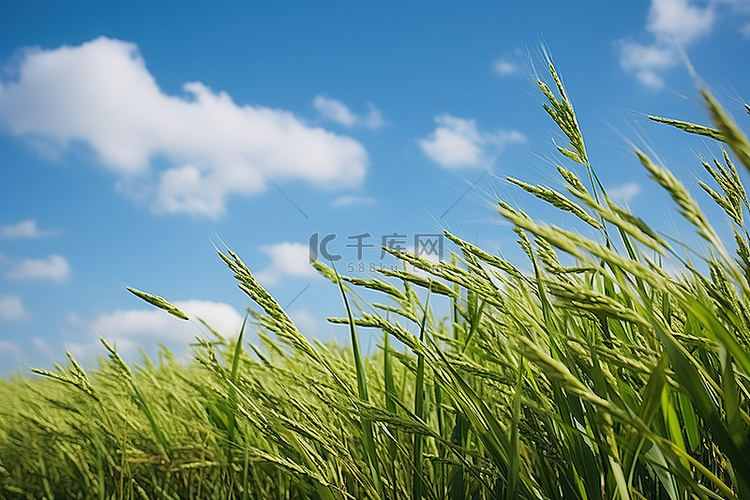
pixel 367 427
pixel 419 408
pixel 514 465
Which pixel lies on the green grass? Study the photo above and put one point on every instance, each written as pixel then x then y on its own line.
pixel 597 375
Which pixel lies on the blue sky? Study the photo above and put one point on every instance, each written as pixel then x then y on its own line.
pixel 133 139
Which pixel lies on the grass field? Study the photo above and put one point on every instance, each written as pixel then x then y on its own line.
pixel 597 375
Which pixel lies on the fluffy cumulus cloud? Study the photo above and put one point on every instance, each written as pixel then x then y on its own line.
pixel 101 94
pixel 681 19
pixel 340 113
pixel 12 309
pixel 671 24
pixel 287 259
pixel 26 229
pixel 131 329
pixel 459 143
pixel 55 268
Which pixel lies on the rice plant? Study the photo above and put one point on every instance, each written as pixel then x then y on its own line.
pixel 597 375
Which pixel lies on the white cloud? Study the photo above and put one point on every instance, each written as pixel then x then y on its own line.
pixel 304 321
pixel 672 24
pixel 351 200
pixel 131 329
pixel 508 63
pixel 287 259
pixel 55 268
pixel 680 20
pixel 374 118
pixel 455 143
pixel 339 112
pixel 459 143
pixel 503 67
pixel 334 110
pixel 624 193
pixel 102 95
pixel 12 309
pixel 24 229
pixel 647 61
pixel 745 30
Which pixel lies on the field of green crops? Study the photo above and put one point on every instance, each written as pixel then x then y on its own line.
pixel 596 375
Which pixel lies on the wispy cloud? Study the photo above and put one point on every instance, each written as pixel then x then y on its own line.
pixel 334 110
pixel 12 309
pixel 131 329
pixel 648 62
pixel 459 143
pixel 671 24
pixel 504 67
pixel 339 112
pixel 26 229
pixel 101 94
pixel 351 200
pixel 624 193
pixel 508 63
pixel 55 268
pixel 304 321
pixel 287 259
